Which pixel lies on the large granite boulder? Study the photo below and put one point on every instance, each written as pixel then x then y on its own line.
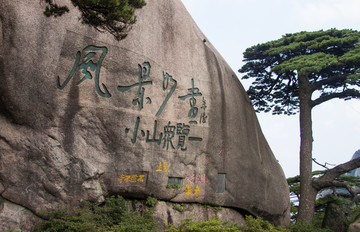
pixel 160 113
pixel 355 226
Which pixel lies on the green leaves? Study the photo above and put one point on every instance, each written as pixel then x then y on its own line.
pixel 213 224
pixel 307 63
pixel 113 215
pixel 113 16
pixel 330 60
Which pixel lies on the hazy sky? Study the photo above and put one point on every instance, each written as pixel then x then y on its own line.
pixel 234 25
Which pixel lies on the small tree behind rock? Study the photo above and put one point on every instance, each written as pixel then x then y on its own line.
pixel 113 16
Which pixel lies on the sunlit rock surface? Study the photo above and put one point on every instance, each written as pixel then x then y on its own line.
pixel 159 114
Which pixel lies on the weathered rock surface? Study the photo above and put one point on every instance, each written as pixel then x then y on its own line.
pixel 16 217
pixel 355 226
pixel 83 116
pixel 174 213
pixel 334 218
pixel 169 214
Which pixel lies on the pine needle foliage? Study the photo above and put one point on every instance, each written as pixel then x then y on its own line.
pixel 113 16
pixel 329 59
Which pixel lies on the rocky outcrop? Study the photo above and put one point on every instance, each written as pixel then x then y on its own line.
pixel 165 213
pixel 16 217
pixel 334 218
pixel 355 226
pixel 161 114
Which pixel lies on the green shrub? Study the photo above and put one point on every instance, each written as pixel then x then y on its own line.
pixel 178 207
pixel 116 16
pixel 252 225
pixel 307 227
pixel 112 216
pixel 134 222
pixel 151 202
pixel 212 225
pixel 260 225
pixel 353 215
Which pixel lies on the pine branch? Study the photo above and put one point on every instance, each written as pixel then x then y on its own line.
pixel 321 184
pixel 322 165
pixel 318 85
pixel 340 169
pixel 351 93
pixel 110 16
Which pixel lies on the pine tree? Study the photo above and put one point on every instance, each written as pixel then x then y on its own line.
pixel 113 16
pixel 295 74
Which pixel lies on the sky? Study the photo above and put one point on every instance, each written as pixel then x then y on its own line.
pixel 234 25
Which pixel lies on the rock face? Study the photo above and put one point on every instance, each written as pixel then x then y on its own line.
pixel 175 213
pixel 355 226
pixel 161 114
pixel 334 218
pixel 170 214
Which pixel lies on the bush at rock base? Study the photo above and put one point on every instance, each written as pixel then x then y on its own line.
pixel 114 215
pixel 110 217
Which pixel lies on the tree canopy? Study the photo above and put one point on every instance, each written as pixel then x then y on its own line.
pixel 114 16
pixel 330 59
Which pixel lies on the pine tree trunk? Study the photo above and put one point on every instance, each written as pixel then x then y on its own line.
pixel 307 191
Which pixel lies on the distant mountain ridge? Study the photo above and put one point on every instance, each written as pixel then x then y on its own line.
pixel 355 172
